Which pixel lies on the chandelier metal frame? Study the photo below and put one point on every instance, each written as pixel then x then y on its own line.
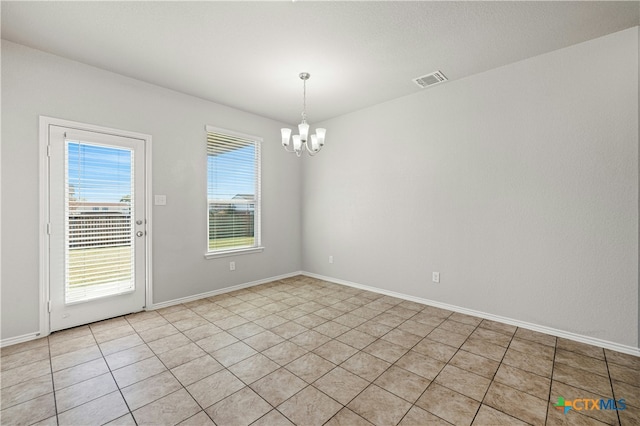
pixel 302 141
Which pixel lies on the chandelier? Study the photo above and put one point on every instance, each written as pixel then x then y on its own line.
pixel 302 141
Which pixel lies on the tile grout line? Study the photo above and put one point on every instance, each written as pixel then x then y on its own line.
pixel 172 374
pixel 156 355
pixel 494 377
pixel 112 377
pixel 553 367
pixel 307 385
pixel 53 384
pixel 323 297
pixel 613 393
pixel 169 369
pixel 28 380
pixel 413 404
pixel 447 363
pixel 308 352
pixel 335 365
pixel 226 368
pixel 512 336
pixel 397 327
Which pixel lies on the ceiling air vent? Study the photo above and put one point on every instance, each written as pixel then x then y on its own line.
pixel 430 79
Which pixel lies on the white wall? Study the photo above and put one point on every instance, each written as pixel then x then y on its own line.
pixel 519 185
pixel 35 83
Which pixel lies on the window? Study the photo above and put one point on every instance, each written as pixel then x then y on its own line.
pixel 233 192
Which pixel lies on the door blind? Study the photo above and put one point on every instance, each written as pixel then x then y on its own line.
pixel 99 255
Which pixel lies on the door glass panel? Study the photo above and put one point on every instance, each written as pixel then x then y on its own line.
pixel 99 243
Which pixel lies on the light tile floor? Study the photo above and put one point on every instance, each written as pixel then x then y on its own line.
pixel 307 352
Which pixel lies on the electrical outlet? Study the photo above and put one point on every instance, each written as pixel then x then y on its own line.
pixel 232 266
pixel 330 259
pixel 436 277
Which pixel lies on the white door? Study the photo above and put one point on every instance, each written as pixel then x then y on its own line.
pixel 97 226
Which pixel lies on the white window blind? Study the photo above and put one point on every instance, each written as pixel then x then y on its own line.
pixel 233 190
pixel 99 255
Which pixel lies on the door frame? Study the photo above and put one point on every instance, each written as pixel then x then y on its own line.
pixel 43 157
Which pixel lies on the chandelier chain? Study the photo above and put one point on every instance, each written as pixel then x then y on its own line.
pixel 304 99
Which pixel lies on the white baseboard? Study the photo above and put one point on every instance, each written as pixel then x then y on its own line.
pixel 19 339
pixel 522 324
pixel 32 336
pixel 530 326
pixel 220 291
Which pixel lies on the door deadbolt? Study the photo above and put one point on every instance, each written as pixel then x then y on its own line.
pixel 139 233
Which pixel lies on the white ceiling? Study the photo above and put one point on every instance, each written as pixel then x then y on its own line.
pixel 248 54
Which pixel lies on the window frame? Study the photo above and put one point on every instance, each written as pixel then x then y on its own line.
pixel 257 247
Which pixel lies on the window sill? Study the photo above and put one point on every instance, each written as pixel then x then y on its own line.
pixel 236 252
